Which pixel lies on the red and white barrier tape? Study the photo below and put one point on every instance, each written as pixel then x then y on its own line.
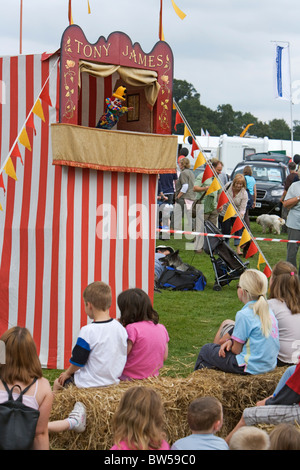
pixel 217 235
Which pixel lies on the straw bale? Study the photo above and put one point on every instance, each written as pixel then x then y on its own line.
pixel 234 392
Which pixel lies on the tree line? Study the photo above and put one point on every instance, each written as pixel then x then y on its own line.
pixel 224 120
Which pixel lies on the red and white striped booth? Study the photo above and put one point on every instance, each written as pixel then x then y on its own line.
pixel 81 206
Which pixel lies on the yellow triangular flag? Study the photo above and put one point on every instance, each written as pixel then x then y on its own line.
pixel 9 169
pixel 230 212
pixel 199 161
pixel 89 8
pixel 23 139
pixel 38 110
pixel 1 208
pixel 245 237
pixel 186 133
pixel 178 11
pixel 215 186
pixel 260 260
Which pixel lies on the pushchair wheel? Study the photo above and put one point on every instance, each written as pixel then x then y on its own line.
pixel 217 287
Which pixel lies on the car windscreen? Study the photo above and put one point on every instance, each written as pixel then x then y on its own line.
pixel 271 174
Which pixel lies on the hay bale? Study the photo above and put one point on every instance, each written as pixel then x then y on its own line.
pixel 234 392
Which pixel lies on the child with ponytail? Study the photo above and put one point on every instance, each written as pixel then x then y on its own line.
pixel 253 345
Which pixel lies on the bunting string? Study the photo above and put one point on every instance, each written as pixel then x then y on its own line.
pixel 22 137
pixel 216 185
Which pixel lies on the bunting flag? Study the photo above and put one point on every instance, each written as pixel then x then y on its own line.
pixel 186 133
pixel 223 199
pixel 215 186
pixel 1 209
pixel 194 147
pixel 30 123
pixel 230 212
pixel 246 237
pixel 267 271
pixel 199 161
pixel 260 261
pixel 178 120
pixel 208 173
pixel 89 8
pixel 238 225
pixel 24 140
pixel 9 169
pixel 16 153
pixel 38 110
pixel 2 183
pixel 44 95
pixel 252 250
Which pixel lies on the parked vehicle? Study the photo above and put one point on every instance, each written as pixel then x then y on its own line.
pixel 270 177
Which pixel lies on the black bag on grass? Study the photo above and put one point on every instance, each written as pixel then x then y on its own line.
pixel 175 279
pixel 17 421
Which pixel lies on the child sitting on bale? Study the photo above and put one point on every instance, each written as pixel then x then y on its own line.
pixel 205 418
pixel 147 338
pixel 254 342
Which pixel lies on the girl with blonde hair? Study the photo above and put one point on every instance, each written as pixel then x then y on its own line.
pixel 253 345
pixel 138 422
pixel 284 300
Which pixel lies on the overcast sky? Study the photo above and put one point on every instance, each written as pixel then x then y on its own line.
pixel 224 48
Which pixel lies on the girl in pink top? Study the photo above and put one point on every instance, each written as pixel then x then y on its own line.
pixel 138 422
pixel 147 343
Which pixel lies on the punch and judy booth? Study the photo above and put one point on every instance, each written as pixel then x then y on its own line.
pixel 78 202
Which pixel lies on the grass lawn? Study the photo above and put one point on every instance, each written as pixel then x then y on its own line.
pixel 192 318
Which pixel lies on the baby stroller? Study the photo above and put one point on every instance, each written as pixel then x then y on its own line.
pixel 226 263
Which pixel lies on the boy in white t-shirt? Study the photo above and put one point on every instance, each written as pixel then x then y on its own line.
pixel 98 357
pixel 100 353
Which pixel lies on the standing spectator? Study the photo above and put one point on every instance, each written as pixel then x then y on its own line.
pixel 291 202
pixel 238 194
pixel 209 202
pixel 184 193
pixel 167 185
pixel 291 178
pixel 251 189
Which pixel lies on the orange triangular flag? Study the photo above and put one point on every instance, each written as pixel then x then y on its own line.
pixel 238 224
pixel 1 208
pixel 223 199
pixel 245 237
pixel 178 120
pixel 2 183
pixel 230 212
pixel 267 271
pixel 260 260
pixel 199 161
pixel 9 169
pixel 38 110
pixel 89 8
pixel 194 147
pixel 215 186
pixel 44 95
pixel 30 123
pixel 186 133
pixel 24 140
pixel 208 173
pixel 251 250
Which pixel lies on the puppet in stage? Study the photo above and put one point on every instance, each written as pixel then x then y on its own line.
pixel 114 109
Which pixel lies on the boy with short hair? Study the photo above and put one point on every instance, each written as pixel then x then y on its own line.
pixel 100 353
pixel 205 418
